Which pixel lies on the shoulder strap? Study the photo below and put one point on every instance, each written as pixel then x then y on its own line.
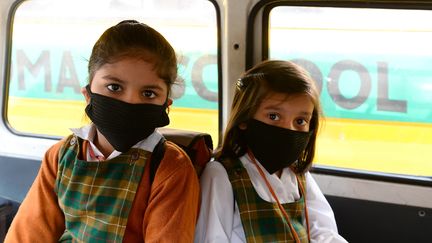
pixel 234 168
pixel 69 141
pixel 156 157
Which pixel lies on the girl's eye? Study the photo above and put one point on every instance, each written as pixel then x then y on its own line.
pixel 149 94
pixel 301 122
pixel 274 117
pixel 114 87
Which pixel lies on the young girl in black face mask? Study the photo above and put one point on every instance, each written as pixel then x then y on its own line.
pixel 94 185
pixel 260 190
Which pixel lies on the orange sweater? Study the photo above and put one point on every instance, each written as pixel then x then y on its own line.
pixel 166 211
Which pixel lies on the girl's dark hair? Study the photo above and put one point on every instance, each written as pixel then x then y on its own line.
pixel 129 38
pixel 253 86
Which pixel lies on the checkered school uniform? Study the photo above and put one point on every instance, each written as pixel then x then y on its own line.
pixel 96 197
pixel 262 221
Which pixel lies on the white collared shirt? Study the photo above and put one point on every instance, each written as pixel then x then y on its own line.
pixel 219 218
pixel 88 133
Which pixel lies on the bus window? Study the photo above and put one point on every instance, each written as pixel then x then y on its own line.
pixel 373 72
pixel 52 41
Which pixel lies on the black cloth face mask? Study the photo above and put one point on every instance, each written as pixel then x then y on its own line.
pixel 124 124
pixel 275 147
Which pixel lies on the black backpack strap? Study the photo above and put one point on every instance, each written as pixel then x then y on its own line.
pixel 156 157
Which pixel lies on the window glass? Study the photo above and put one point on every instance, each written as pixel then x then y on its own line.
pixel 52 42
pixel 374 74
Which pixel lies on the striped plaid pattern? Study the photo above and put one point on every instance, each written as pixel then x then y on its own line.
pixel 263 221
pixel 96 197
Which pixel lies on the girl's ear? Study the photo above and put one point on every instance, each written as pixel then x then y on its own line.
pixel 86 95
pixel 169 102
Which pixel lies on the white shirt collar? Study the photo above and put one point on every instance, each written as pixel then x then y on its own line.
pixel 285 187
pixel 88 132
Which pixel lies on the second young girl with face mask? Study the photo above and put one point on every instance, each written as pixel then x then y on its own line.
pixel 260 189
pixel 94 186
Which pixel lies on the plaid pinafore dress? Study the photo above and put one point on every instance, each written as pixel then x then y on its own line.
pixel 96 197
pixel 262 221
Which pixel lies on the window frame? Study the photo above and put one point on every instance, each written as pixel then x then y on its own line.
pixel 258 49
pixel 8 67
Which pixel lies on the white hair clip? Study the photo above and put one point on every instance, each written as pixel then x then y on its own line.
pixel 239 84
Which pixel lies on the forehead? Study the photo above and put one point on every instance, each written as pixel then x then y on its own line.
pixel 285 102
pixel 133 71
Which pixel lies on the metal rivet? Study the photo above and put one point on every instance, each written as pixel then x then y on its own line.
pixel 237 172
pixel 421 213
pixel 134 156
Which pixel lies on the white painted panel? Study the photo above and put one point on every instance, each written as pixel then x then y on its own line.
pixel 410 195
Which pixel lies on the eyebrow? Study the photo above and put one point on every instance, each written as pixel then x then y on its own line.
pixel 109 77
pixel 271 107
pixel 151 86
pixel 306 113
